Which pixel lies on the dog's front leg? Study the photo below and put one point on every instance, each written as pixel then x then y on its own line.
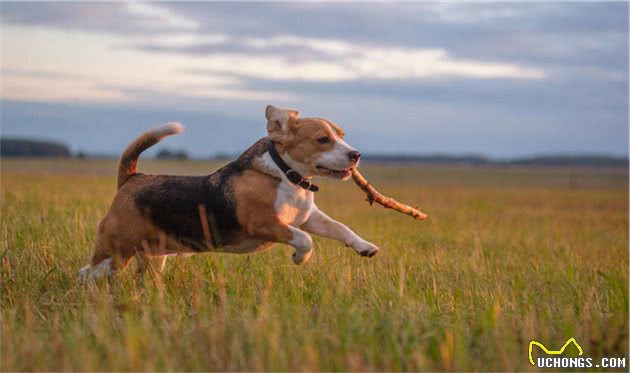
pixel 321 224
pixel 277 231
pixel 303 244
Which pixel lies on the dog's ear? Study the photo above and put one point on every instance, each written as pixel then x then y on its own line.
pixel 337 129
pixel 280 122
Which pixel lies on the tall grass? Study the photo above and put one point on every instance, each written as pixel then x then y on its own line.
pixel 507 256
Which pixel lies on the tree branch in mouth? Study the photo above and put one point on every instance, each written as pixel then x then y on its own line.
pixel 374 196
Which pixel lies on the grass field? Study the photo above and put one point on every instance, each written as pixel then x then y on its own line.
pixel 507 255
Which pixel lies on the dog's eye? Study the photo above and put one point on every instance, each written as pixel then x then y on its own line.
pixel 323 140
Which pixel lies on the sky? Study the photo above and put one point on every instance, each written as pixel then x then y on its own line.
pixel 501 79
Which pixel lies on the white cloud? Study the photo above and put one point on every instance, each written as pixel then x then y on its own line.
pixel 158 17
pixel 25 88
pixel 329 46
pixel 343 61
pixel 100 62
pixel 40 64
pixel 280 68
pixel 181 39
pixel 334 60
pixel 397 63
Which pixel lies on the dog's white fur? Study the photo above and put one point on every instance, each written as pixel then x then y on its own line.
pixel 310 218
pixel 103 269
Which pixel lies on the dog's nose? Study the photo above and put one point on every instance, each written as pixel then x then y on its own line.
pixel 354 156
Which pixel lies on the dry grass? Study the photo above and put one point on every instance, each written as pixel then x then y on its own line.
pixel 506 256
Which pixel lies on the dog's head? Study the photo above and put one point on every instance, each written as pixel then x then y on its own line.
pixel 311 146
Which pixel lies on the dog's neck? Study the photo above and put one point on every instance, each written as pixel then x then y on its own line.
pixel 289 168
pixel 278 169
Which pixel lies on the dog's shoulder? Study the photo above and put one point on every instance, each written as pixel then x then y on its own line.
pixel 247 160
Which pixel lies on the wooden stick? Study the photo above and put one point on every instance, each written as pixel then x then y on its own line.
pixel 374 196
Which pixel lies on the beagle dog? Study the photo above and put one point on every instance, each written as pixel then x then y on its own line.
pixel 264 197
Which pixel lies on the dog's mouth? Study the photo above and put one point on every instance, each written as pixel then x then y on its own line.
pixel 337 174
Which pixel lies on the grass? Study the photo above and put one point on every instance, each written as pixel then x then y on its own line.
pixel 507 255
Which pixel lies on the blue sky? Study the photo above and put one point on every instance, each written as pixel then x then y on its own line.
pixel 503 79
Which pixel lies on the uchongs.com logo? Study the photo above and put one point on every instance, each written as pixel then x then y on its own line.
pixel 553 359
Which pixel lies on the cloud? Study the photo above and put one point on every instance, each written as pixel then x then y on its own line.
pixel 20 72
pixel 153 16
pixel 40 64
pixel 118 67
pixel 110 17
pixel 366 61
pixel 461 13
pixel 517 33
pixel 333 60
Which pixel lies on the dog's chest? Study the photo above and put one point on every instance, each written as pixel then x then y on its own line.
pixel 293 204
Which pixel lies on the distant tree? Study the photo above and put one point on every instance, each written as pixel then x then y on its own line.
pixel 166 153
pixel 32 148
pixel 222 156
pixel 81 155
pixel 470 159
pixel 573 160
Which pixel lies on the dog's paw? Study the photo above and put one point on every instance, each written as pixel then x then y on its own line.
pixel 301 257
pixel 367 249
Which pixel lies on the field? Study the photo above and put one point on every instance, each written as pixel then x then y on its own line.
pixel 508 255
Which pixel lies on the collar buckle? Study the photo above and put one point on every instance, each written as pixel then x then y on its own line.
pixel 305 183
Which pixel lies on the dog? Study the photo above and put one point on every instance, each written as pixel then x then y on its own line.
pixel 266 196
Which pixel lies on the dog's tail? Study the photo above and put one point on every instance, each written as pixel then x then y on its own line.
pixel 129 158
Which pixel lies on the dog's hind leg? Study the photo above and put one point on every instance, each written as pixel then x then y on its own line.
pixel 100 263
pixel 152 263
pixel 106 260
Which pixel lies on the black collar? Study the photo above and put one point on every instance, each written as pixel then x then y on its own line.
pixel 290 173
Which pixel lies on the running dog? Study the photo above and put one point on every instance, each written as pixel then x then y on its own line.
pixel 264 197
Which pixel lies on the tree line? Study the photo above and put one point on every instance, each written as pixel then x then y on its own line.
pixel 32 148
pixel 35 148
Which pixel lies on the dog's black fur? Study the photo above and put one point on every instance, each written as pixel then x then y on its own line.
pixel 172 203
